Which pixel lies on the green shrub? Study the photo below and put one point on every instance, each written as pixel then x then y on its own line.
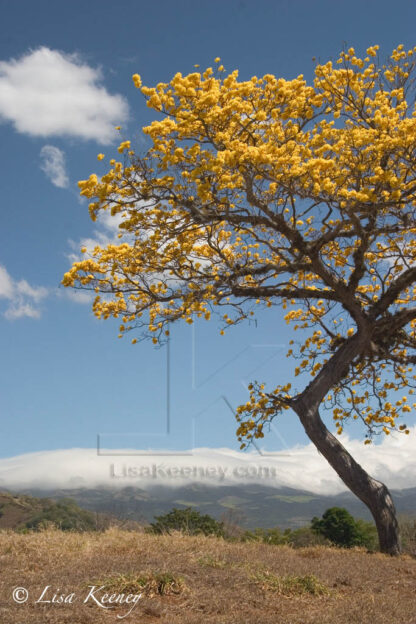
pixel 339 526
pixel 189 521
pixel 368 535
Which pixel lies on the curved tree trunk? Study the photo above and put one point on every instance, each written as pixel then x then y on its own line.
pixel 371 492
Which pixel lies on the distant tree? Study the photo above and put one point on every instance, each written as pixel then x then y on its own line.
pixel 275 192
pixel 189 521
pixel 339 526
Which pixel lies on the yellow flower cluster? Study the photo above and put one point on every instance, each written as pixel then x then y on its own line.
pixel 272 190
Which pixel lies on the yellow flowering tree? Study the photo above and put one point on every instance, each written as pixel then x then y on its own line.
pixel 278 192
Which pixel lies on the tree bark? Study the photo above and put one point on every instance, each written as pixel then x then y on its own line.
pixel 371 492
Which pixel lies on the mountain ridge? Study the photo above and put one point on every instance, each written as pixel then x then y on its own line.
pixel 254 505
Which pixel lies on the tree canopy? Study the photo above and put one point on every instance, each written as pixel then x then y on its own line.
pixel 278 192
pixel 339 526
pixel 275 192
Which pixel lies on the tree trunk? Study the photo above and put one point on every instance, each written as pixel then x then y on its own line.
pixel 371 492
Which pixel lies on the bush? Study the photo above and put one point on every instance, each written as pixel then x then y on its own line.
pixel 64 515
pixel 189 521
pixel 338 526
pixel 368 535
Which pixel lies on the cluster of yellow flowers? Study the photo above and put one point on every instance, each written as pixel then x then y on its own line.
pixel 268 189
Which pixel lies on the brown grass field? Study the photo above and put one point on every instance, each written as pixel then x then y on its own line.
pixel 201 579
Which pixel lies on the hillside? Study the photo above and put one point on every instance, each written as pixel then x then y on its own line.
pixel 16 510
pixel 20 512
pixel 253 505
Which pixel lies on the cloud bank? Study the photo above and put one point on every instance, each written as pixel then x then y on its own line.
pixel 48 93
pixel 22 298
pixel 301 467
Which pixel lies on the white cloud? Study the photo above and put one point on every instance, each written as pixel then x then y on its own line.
pixel 78 296
pixel 20 310
pixel 53 165
pixel 22 298
pixel 26 290
pixel 49 93
pixel 392 462
pixel 6 284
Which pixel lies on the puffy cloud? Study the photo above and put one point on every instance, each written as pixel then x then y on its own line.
pixel 53 165
pixel 48 93
pixel 391 461
pixel 22 298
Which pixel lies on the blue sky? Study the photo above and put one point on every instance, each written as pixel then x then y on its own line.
pixel 65 83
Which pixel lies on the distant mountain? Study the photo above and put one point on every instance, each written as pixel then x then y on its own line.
pixel 251 505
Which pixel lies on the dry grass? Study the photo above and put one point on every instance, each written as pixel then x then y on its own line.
pixel 151 584
pixel 291 585
pixel 189 580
